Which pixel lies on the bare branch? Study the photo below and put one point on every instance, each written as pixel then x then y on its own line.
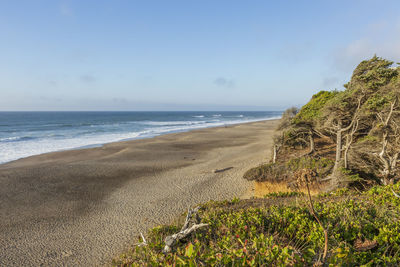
pixel 143 243
pixel 390 112
pixel 171 240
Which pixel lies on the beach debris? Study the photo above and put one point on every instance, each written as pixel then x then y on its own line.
pixel 191 217
pixel 359 245
pixel 222 170
pixel 143 243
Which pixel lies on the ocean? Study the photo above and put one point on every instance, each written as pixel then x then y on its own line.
pixel 24 134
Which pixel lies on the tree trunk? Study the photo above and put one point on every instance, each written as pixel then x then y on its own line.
pixel 312 143
pixel 338 143
pixel 349 141
pixel 274 156
pixel 335 175
pixel 385 160
pixel 345 157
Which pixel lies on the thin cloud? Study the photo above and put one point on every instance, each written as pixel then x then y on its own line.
pixel 223 82
pixel 53 83
pixel 382 39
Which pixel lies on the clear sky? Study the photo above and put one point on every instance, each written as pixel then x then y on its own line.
pixel 185 55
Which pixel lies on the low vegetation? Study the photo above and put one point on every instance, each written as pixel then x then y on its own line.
pixel 286 170
pixel 279 230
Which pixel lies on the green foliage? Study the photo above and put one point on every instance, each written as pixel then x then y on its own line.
pixel 263 172
pixel 278 235
pixel 373 73
pixel 350 175
pixel 340 192
pixel 284 171
pixel 367 139
pixel 235 200
pixel 306 162
pixel 378 101
pixel 284 194
pixel 313 109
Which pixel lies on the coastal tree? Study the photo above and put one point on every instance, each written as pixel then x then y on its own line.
pixel 387 129
pixel 344 112
pixel 378 80
pixel 306 123
pixel 343 122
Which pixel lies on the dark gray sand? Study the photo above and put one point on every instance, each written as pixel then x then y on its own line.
pixel 84 207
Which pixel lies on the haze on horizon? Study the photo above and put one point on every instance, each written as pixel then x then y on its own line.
pixel 185 55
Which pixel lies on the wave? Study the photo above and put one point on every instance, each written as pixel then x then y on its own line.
pixel 19 147
pixel 16 138
pixel 171 123
pixel 16 150
pixel 198 116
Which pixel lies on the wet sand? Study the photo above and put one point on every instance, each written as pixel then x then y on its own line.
pixel 84 207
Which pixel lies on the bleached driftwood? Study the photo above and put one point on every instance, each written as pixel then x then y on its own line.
pixel 171 240
pixel 143 243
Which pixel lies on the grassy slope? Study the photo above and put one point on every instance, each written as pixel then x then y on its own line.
pixel 363 228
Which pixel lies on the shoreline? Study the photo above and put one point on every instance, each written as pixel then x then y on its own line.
pixel 83 207
pixel 142 138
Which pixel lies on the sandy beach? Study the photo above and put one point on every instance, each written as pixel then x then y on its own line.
pixel 83 207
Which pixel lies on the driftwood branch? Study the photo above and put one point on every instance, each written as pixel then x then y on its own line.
pixel 172 240
pixel 143 243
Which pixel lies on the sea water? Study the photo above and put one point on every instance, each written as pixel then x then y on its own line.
pixel 24 134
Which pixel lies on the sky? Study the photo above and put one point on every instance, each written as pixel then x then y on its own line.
pixel 185 55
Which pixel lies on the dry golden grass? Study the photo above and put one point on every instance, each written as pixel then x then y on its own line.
pixel 263 188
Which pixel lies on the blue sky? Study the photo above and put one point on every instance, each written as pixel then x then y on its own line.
pixel 185 55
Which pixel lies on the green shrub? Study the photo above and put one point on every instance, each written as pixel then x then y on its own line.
pixel 284 171
pixel 314 108
pixel 288 235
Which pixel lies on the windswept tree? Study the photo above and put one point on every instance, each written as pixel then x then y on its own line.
pixel 390 140
pixel 306 123
pixel 363 121
pixel 346 112
pixel 385 106
pixel 342 120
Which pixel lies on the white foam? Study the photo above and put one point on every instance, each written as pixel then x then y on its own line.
pixel 171 123
pixel 8 139
pixel 16 150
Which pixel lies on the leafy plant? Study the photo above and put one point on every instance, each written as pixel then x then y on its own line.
pixel 286 235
